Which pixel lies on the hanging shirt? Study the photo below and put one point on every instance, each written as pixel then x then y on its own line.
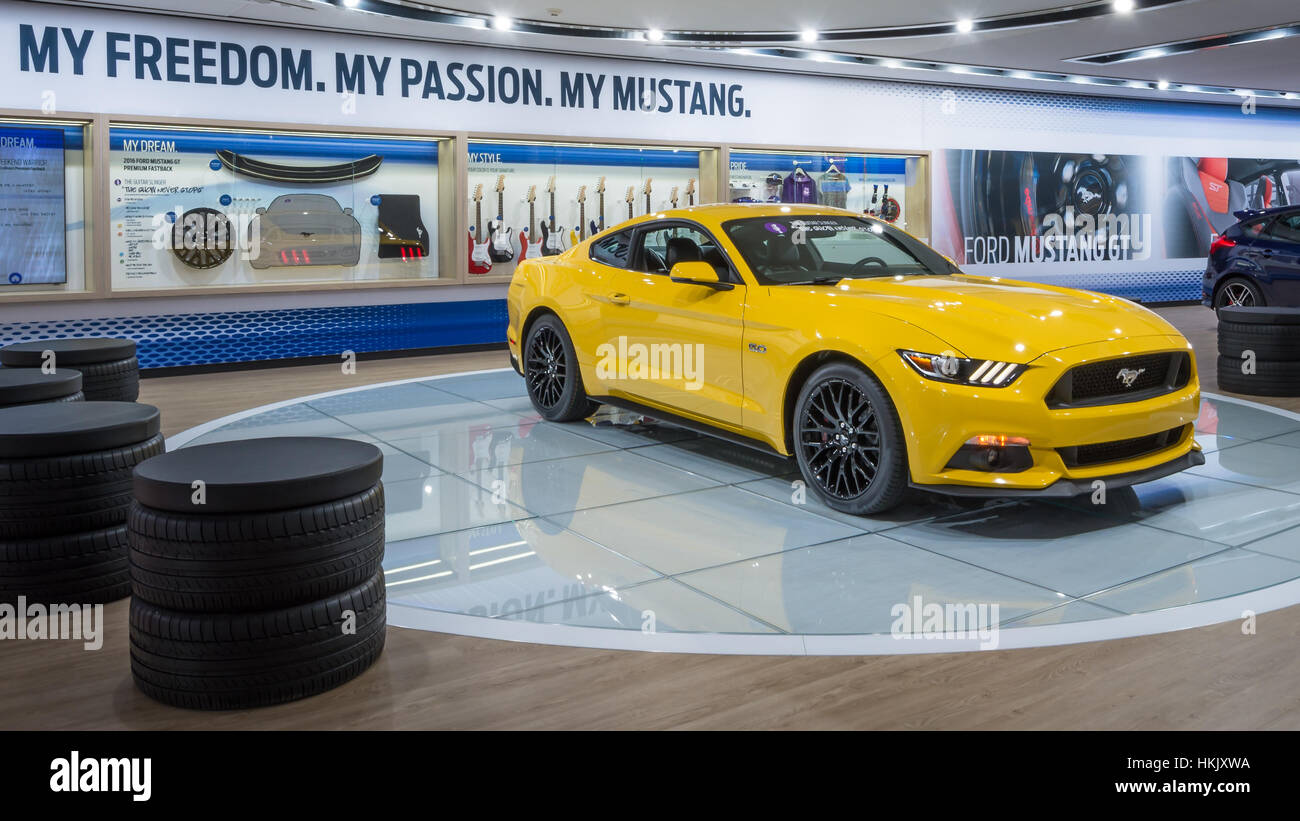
pixel 834 189
pixel 799 188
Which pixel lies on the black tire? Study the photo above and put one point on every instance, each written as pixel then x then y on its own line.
pixel 836 461
pixel 56 495
pixel 1269 378
pixel 81 568
pixel 552 375
pixel 232 661
pixel 1269 342
pixel 117 381
pixel 1251 296
pixel 79 396
pixel 255 561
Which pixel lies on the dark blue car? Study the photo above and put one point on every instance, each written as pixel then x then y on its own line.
pixel 1256 261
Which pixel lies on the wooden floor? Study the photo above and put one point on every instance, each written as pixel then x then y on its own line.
pixel 1209 678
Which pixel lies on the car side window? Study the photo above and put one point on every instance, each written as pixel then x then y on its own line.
pixel 1286 228
pixel 662 248
pixel 1251 230
pixel 613 250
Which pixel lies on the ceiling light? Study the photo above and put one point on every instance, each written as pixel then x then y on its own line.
pixel 351 3
pixel 1154 52
pixel 654 35
pixel 1123 6
pixel 1163 85
pixel 500 22
pixel 890 64
pixel 808 35
pixel 821 56
pixel 965 25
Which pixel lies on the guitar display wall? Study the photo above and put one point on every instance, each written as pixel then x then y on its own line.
pixel 876 185
pixel 646 179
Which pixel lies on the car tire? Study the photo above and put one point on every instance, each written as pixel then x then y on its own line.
pixel 1251 295
pixel 1269 378
pixel 552 375
pixel 55 495
pixel 82 568
pixel 838 473
pixel 1269 342
pixel 117 381
pixel 255 561
pixel 233 661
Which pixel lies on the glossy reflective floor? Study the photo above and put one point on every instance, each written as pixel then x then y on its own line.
pixel 501 524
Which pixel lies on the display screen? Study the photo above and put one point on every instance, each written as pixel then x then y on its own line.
pixel 217 207
pixel 33 227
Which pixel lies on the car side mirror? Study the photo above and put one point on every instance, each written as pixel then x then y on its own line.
pixel 347 211
pixel 698 273
pixel 260 210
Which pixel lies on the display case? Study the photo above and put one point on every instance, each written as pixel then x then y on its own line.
pixel 45 185
pixel 531 199
pixel 893 187
pixel 201 208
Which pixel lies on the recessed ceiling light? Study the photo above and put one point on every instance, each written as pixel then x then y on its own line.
pixel 500 22
pixel 1154 52
pixel 1123 6
pixel 821 56
pixel 351 3
pixel 890 64
pixel 965 25
pixel 654 35
pixel 1163 85
pixel 808 35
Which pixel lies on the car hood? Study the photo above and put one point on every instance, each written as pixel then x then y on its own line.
pixel 990 317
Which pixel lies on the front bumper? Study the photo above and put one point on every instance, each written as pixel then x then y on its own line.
pixel 939 418
pixel 1069 488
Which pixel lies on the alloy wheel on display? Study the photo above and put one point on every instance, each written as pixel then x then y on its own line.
pixel 840 438
pixel 545 366
pixel 1236 294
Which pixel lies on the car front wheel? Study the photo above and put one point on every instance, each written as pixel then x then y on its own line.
pixel 551 373
pixel 848 441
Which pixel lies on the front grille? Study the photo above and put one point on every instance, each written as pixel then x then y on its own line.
pixel 1120 449
pixel 1112 381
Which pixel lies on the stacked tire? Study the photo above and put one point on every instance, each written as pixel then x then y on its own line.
pixel 1259 351
pixel 33 386
pixel 109 369
pixel 65 492
pixel 256 571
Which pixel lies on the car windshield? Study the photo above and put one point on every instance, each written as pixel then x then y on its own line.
pixel 825 248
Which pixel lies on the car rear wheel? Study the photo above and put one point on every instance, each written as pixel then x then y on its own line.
pixel 848 441
pixel 1238 291
pixel 552 375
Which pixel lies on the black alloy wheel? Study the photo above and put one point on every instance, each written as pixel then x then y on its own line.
pixel 202 238
pixel 840 437
pixel 1238 292
pixel 848 441
pixel 551 373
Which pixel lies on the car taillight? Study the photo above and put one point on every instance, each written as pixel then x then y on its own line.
pixel 1222 242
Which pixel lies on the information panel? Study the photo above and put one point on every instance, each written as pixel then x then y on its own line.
pixel 33 230
pixel 216 207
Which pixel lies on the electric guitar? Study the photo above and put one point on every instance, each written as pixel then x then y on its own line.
pixel 631 201
pixel 501 250
pixel 597 227
pixel 528 249
pixel 555 237
pixel 579 235
pixel 646 190
pixel 889 207
pixel 672 196
pixel 690 192
pixel 480 259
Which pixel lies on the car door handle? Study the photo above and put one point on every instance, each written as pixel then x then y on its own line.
pixel 619 298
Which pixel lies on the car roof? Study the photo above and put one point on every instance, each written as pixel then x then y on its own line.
pixel 1254 213
pixel 716 213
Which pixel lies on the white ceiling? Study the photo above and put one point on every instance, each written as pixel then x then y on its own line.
pixel 1270 65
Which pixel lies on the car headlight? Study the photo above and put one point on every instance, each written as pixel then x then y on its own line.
pixel 989 373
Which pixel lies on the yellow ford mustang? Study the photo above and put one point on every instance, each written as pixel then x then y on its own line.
pixel 853 347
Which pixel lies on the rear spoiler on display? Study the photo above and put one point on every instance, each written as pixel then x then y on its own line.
pixel 1246 213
